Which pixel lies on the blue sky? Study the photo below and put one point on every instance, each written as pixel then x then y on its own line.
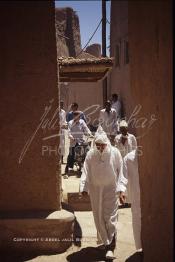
pixel 90 14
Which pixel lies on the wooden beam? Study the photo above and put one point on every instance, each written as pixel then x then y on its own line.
pixel 82 74
pixel 85 68
pixel 68 79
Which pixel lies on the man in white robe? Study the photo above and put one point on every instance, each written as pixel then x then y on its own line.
pixel 103 179
pixel 77 129
pixel 116 104
pixel 130 171
pixel 63 127
pixel 108 120
pixel 125 141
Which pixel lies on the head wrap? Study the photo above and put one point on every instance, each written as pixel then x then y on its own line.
pixel 101 138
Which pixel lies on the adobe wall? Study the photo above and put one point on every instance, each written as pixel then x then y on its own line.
pixel 147 81
pixel 119 77
pixel 150 39
pixel 29 176
pixel 87 95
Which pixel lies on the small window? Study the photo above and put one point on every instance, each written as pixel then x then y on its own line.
pixel 117 55
pixel 126 52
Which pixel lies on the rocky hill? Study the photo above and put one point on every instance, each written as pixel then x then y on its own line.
pixel 68 35
pixel 67 32
pixel 94 49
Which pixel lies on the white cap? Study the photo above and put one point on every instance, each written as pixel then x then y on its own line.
pixel 123 123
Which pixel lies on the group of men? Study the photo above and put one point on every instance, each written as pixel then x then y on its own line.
pixel 110 169
pixel 75 122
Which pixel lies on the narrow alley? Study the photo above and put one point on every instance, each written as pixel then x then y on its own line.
pixel 84 247
pixel 112 60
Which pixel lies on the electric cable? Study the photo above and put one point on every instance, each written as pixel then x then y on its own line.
pixel 90 38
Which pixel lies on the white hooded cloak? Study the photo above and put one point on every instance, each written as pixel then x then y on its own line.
pixel 62 131
pixel 130 171
pixel 102 176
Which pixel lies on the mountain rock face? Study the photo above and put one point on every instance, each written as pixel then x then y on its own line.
pixel 68 36
pixel 67 32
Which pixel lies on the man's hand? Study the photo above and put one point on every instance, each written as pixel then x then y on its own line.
pixel 122 197
pixel 84 193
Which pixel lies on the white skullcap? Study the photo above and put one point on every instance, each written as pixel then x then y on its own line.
pixel 123 123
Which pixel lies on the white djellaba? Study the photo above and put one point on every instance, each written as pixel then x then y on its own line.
pixel 102 177
pixel 131 173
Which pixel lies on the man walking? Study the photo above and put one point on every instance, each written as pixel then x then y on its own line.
pixel 77 128
pixel 130 171
pixel 70 115
pixel 103 179
pixel 63 126
pixel 125 141
pixel 116 104
pixel 108 120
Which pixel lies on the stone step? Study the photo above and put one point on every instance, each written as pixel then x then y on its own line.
pixel 37 232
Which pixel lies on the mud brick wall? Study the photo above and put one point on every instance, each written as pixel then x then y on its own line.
pixel 150 36
pixel 29 174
